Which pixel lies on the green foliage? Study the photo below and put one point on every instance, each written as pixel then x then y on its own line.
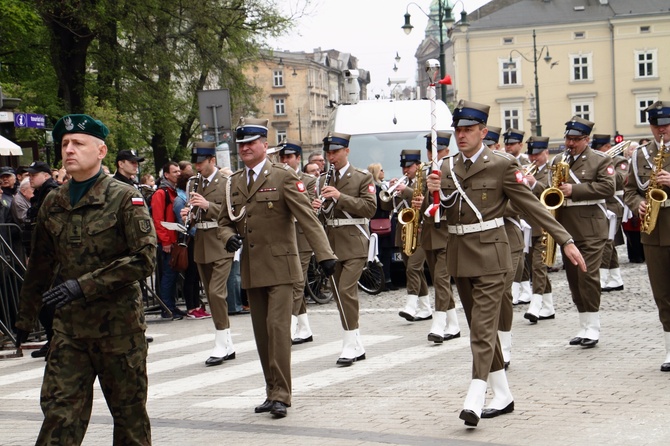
pixel 145 62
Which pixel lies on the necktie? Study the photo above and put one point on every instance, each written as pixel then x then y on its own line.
pixel 337 176
pixel 468 163
pixel 250 184
pixel 205 184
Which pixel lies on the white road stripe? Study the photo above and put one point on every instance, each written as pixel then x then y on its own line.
pixel 336 375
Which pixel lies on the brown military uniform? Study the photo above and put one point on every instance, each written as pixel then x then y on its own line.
pixel 358 199
pixel 587 223
pixel 213 261
pixel 271 265
pixel 304 249
pixel 610 261
pixel 656 244
pixel 479 260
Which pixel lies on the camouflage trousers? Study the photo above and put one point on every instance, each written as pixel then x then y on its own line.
pixel 119 362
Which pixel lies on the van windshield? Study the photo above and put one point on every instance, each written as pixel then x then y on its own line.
pixel 385 148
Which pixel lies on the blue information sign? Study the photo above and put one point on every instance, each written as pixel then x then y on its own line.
pixel 31 120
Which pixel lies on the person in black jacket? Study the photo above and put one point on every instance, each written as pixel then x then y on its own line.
pixel 127 166
pixel 43 183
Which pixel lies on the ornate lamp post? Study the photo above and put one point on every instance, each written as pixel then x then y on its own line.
pixel 443 16
pixel 536 56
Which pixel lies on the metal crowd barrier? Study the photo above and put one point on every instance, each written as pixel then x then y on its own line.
pixel 12 270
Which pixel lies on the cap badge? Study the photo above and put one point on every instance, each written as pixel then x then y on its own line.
pixel 68 124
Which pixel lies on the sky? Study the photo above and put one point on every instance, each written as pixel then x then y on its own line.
pixel 370 30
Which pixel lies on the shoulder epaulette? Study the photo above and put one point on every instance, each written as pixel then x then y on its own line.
pixel 603 154
pixel 505 155
pixel 238 172
pixel 281 166
pixel 361 170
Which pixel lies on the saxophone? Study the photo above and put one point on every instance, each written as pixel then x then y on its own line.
pixel 655 195
pixel 409 218
pixel 552 198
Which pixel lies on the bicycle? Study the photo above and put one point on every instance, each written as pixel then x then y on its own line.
pixel 317 285
pixel 372 277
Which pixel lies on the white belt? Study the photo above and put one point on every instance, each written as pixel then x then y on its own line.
pixel 206 225
pixel 568 202
pixel 476 227
pixel 666 203
pixel 346 221
pixel 618 193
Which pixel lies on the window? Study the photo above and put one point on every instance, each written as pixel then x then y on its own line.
pixel 510 117
pixel 281 135
pixel 509 72
pixel 646 64
pixel 583 108
pixel 580 34
pixel 278 78
pixel 508 40
pixel 581 67
pixel 642 101
pixel 645 29
pixel 280 107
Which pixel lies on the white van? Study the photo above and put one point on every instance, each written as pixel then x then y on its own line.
pixel 380 129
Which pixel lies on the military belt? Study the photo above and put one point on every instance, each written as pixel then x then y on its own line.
pixel 206 225
pixel 666 203
pixel 476 227
pixel 335 222
pixel 618 193
pixel 568 202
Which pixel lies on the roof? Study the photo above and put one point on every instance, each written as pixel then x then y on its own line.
pixel 520 13
pixel 8 148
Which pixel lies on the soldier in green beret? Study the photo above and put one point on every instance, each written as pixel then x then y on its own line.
pixel 93 242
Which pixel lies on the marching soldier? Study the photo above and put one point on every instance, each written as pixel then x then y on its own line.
pixel 610 273
pixel 590 181
pixel 93 242
pixel 349 202
pixel 417 306
pixel 290 153
pixel 476 186
pixel 492 138
pixel 445 324
pixel 261 201
pixel 214 262
pixel 645 163
pixel 521 291
pixel 542 303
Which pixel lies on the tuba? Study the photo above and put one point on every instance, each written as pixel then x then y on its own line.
pixel 655 195
pixel 409 218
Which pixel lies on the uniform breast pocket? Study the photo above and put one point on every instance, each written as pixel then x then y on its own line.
pixel 54 225
pixel 103 236
pixel 483 192
pixel 448 186
pixel 268 200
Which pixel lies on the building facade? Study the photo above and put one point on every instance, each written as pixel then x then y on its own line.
pixel 299 90
pixel 602 60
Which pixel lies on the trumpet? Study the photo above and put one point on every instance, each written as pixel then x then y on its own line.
pixel 618 149
pixel 388 194
pixel 530 169
pixel 326 182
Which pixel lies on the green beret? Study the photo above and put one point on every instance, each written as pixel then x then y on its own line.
pixel 79 124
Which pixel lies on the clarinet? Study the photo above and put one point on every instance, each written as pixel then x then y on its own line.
pixel 193 209
pixel 326 182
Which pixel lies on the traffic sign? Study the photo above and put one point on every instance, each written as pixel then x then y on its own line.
pixel 31 120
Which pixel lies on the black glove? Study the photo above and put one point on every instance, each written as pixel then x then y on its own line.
pixel 21 336
pixel 234 243
pixel 328 266
pixel 63 293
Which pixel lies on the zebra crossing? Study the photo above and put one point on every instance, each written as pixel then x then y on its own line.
pixel 192 376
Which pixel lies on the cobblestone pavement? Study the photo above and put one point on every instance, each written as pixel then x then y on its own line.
pixel 407 392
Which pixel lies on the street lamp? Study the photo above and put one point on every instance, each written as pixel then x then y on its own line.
pixel 443 16
pixel 536 57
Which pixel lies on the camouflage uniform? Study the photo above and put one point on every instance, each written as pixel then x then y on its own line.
pixel 106 242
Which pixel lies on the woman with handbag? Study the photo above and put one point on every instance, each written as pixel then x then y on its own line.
pixel 380 224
